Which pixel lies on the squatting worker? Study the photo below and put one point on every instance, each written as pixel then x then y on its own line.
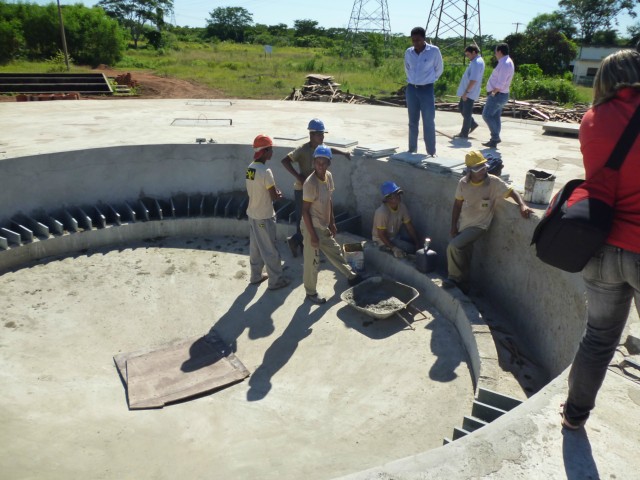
pixel 473 208
pixel 303 156
pixel 262 191
pixel 469 90
pixel 498 93
pixel 423 66
pixel 392 226
pixel 319 226
pixel 612 276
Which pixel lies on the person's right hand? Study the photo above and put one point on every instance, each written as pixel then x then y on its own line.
pixel 398 252
pixel 315 243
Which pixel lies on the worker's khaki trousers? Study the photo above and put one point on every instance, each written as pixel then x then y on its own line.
pixel 332 251
pixel 459 254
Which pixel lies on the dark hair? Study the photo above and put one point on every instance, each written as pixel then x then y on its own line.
pixel 419 31
pixel 503 48
pixel 472 48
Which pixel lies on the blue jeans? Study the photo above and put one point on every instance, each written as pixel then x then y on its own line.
pixel 492 111
pixel 612 278
pixel 421 101
pixel 466 110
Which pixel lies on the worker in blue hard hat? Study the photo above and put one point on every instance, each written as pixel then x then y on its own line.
pixel 319 226
pixel 392 227
pixel 303 156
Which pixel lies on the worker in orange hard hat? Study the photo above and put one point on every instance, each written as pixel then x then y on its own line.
pixel 262 190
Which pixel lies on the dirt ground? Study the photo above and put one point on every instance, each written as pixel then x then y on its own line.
pixel 150 86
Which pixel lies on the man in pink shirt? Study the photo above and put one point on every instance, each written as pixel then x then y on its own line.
pixel 498 93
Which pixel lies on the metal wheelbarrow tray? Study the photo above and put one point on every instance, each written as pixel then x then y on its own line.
pixel 380 297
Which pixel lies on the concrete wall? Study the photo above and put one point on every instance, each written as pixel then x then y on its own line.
pixel 545 306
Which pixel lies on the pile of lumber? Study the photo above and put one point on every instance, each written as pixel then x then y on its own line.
pixel 544 110
pixel 322 88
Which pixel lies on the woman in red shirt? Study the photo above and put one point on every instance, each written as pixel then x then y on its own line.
pixel 612 276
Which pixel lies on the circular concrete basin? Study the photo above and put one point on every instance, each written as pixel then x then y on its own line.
pixel 331 391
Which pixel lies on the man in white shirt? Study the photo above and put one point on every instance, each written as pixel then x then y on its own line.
pixel 498 93
pixel 423 66
pixel 469 90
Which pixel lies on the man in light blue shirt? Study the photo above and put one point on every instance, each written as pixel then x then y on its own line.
pixel 469 90
pixel 498 93
pixel 423 66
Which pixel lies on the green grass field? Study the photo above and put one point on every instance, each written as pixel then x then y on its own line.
pixel 244 71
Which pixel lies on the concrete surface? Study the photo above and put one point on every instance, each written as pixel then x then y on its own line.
pixel 331 391
pixel 71 153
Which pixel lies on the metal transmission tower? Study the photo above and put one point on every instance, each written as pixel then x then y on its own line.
pixel 367 16
pixel 454 23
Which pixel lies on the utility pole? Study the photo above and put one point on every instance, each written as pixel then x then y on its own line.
pixel 457 20
pixel 517 24
pixel 64 39
pixel 368 16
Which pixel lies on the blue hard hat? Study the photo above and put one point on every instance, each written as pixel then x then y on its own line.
pixel 322 151
pixel 316 125
pixel 389 188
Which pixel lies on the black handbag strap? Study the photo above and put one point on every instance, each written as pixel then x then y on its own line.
pixel 625 142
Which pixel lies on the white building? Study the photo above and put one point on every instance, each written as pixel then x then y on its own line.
pixel 586 64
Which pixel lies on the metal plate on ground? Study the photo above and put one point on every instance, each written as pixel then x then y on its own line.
pixel 341 142
pixel 201 122
pixel 293 137
pixel 210 103
pixel 179 370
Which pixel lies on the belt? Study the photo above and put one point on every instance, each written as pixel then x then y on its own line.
pixel 419 86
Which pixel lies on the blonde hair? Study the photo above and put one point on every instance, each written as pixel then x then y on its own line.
pixel 618 70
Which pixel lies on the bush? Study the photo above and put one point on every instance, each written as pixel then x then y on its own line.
pixel 555 89
pixel 530 70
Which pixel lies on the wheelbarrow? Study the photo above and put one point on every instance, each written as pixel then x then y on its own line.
pixel 381 298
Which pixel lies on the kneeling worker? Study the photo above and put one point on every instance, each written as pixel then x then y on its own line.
pixel 319 226
pixel 392 226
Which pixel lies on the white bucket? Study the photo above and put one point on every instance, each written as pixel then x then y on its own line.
pixel 538 186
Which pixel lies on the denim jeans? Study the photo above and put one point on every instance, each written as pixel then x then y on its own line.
pixel 492 111
pixel 421 101
pixel 297 197
pixel 466 109
pixel 612 278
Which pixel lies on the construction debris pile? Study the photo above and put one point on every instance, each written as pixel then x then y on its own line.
pixel 322 88
pixel 125 79
pixel 544 110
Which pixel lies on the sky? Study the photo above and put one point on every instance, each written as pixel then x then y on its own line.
pixel 498 17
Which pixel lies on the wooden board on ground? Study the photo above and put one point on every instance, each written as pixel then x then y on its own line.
pixel 561 127
pixel 179 370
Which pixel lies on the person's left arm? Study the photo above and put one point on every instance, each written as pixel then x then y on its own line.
pixel 438 65
pixel 344 153
pixel 332 223
pixel 524 210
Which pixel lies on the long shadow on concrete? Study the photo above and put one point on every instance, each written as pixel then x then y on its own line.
pixel 257 318
pixel 283 348
pixel 579 463
pixel 449 356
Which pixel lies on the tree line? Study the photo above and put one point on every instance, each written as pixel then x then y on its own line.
pixel 102 34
